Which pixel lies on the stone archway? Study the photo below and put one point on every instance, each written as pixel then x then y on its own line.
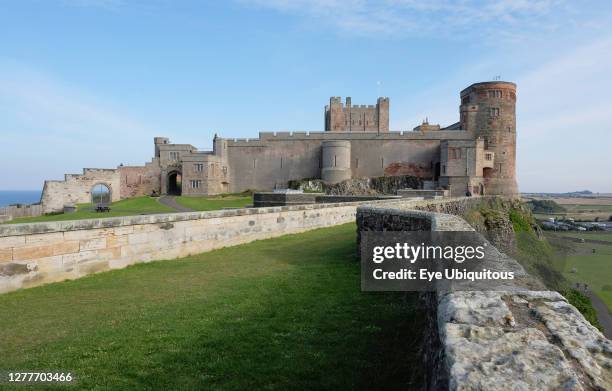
pixel 174 183
pixel 101 194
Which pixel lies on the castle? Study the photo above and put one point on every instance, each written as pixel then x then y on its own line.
pixel 476 154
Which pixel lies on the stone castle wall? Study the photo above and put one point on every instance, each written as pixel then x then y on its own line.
pixel 275 159
pixel 76 188
pixel 11 212
pixel 139 180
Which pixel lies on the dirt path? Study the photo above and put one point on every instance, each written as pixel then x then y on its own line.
pixel 603 315
pixel 170 201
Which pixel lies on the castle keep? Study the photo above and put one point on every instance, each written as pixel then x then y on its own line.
pixel 476 154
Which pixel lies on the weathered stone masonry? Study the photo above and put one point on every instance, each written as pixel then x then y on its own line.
pixel 518 338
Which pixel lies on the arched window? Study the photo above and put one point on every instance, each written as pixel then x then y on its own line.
pixel 101 194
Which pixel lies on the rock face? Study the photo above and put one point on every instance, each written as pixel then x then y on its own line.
pixel 522 338
pixel 360 186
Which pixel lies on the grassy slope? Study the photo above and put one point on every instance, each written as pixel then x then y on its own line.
pixel 594 269
pixel 284 313
pixel 128 207
pixel 215 202
pixel 536 254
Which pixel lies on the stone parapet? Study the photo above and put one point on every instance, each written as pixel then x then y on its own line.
pixel 521 338
pixel 38 253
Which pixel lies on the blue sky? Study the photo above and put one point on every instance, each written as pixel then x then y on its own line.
pixel 89 83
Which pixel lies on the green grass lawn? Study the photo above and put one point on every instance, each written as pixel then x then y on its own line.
pixel 215 202
pixel 128 207
pixel 278 314
pixel 594 235
pixel 594 269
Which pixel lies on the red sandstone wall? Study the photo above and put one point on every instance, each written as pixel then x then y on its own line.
pixel 140 180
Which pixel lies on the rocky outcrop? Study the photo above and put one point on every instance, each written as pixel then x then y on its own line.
pixel 360 186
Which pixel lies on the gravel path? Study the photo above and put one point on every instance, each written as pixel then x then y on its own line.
pixel 170 201
pixel 603 314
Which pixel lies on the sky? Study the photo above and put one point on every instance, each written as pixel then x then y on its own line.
pixel 89 83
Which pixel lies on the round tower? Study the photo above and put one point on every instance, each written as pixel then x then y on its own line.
pixel 488 110
pixel 336 165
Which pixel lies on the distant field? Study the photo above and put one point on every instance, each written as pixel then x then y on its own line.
pixel 592 268
pixel 586 209
pixel 216 202
pixel 128 207
pixel 579 200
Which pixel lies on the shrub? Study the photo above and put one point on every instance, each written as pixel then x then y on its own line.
pixel 545 206
pixel 520 222
pixel 583 304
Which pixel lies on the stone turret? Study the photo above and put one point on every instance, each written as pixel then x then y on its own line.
pixel 488 110
pixel 160 141
pixel 336 165
pixel 357 118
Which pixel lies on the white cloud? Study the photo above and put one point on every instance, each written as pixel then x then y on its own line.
pixel 510 19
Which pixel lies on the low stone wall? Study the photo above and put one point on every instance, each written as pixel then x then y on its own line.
pixel 427 194
pixel 264 199
pixel 281 199
pixel 353 198
pixel 11 212
pixel 38 253
pixel 522 338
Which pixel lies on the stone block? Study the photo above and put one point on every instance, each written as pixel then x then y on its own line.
pixel 92 244
pixel 53 237
pixel 6 254
pixel 50 264
pixel 66 248
pixel 33 252
pixel 12 241
pixel 117 240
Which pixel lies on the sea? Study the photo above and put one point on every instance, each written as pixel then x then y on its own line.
pixel 9 197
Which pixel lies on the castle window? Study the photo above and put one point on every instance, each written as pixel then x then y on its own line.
pixel 494 111
pixel 173 155
pixel 488 156
pixel 454 153
pixel 195 184
pixel 198 167
pixel 495 94
pixel 443 169
pixel 335 160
